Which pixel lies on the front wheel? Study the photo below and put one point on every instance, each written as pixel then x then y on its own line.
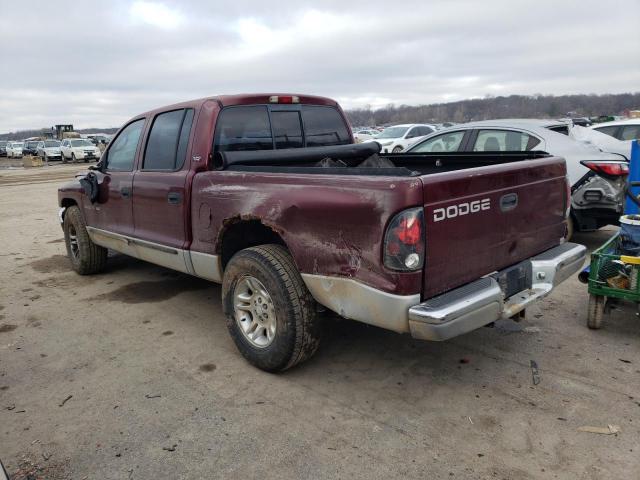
pixel 86 257
pixel 397 149
pixel 596 311
pixel 271 315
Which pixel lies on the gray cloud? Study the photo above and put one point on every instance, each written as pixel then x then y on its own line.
pixel 97 63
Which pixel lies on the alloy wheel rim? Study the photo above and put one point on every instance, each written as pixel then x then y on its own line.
pixel 254 311
pixel 73 242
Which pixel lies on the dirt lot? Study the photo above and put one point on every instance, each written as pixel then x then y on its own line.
pixel 131 374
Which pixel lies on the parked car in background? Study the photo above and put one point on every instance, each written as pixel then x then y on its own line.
pixel 3 148
pixel 49 150
pixel 400 137
pixel 625 130
pixel 98 139
pixel 14 149
pixel 364 135
pixel 30 147
pixel 597 178
pixel 75 149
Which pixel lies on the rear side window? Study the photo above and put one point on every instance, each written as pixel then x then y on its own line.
pixel 167 143
pixel 630 132
pixel 504 141
pixel 608 130
pixel 287 130
pixel 563 129
pixel 324 126
pixel 243 128
pixel 447 142
pixel 122 151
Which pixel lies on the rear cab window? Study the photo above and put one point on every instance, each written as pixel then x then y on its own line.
pixel 262 127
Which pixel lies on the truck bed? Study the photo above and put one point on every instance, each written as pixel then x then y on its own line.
pixel 363 159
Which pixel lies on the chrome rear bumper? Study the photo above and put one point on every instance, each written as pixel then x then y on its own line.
pixel 482 302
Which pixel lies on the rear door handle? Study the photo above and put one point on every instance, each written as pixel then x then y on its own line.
pixel 125 192
pixel 174 198
pixel 508 202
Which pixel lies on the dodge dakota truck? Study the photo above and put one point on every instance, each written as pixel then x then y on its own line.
pixel 268 195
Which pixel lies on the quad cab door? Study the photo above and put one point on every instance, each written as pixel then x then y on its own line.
pixel 160 193
pixel 113 213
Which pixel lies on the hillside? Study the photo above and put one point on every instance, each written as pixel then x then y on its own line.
pixel 513 106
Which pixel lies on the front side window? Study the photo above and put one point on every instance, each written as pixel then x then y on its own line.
pixel 447 142
pixel 324 126
pixel 122 152
pixel 167 145
pixel 504 141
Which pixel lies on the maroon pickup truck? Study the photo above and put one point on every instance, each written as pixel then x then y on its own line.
pixel 268 195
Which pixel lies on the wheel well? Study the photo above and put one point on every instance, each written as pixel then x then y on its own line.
pixel 68 202
pixel 243 234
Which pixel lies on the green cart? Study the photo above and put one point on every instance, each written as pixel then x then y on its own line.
pixel 612 277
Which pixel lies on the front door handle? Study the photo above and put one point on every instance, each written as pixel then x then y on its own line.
pixel 125 192
pixel 174 198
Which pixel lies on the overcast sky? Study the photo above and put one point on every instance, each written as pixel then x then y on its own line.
pixel 95 64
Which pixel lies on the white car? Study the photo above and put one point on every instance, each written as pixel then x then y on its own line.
pixel 14 149
pixel 400 137
pixel 597 178
pixel 624 130
pixel 364 135
pixel 76 149
pixel 49 150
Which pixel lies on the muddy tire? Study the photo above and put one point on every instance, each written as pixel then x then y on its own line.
pixel 596 311
pixel 271 315
pixel 85 256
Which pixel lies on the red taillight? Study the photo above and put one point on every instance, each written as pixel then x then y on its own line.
pixel 404 242
pixel 609 169
pixel 287 99
pixel 409 231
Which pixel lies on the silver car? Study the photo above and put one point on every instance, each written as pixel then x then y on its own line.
pixel 597 178
pixel 49 150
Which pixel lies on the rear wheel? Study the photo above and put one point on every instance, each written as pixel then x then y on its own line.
pixel 73 158
pixel 596 311
pixel 271 315
pixel 86 257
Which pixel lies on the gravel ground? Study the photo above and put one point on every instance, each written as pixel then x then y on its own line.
pixel 131 374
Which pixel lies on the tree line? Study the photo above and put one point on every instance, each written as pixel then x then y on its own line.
pixel 489 107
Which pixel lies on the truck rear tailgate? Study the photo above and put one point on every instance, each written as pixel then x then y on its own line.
pixel 481 220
